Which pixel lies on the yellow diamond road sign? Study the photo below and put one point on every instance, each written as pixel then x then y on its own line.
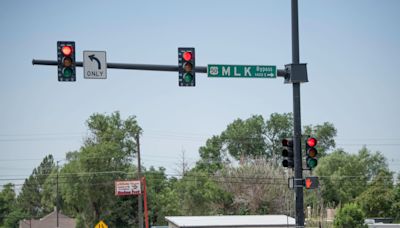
pixel 101 224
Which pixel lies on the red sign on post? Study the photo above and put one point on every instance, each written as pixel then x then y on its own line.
pixel 127 188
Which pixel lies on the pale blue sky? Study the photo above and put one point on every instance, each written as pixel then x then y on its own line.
pixel 351 48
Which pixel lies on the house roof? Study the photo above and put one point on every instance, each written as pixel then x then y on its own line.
pixel 231 221
pixel 48 221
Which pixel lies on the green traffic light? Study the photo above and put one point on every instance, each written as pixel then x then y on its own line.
pixel 312 163
pixel 188 77
pixel 67 72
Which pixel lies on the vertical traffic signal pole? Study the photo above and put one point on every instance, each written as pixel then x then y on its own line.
pixel 140 200
pixel 298 169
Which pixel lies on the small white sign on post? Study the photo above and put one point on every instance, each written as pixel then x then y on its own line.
pixel 94 65
pixel 126 188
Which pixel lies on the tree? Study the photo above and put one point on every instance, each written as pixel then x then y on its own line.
pixel 256 187
pixel 245 138
pixel 89 175
pixel 199 194
pixel 30 200
pixel 395 209
pixel 7 201
pixel 163 198
pixel 345 176
pixel 255 138
pixel 378 199
pixel 350 215
pixel 12 219
pixel 212 156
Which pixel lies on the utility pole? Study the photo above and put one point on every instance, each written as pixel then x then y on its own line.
pixel 140 205
pixel 298 167
pixel 57 200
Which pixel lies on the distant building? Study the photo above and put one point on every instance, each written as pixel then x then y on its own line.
pixel 381 223
pixel 49 221
pixel 229 221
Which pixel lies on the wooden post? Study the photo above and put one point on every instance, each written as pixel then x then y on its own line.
pixel 146 212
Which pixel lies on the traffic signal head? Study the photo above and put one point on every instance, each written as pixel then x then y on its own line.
pixel 311 182
pixel 66 61
pixel 287 153
pixel 186 67
pixel 311 153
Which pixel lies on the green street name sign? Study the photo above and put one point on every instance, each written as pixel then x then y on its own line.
pixel 240 71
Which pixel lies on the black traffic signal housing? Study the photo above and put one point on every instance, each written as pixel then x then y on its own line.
pixel 186 66
pixel 287 153
pixel 311 153
pixel 66 61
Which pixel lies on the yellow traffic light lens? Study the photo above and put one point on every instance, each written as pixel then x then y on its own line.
pixel 312 152
pixel 67 62
pixel 187 67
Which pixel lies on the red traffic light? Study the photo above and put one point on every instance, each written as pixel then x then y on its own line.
pixel 187 56
pixel 66 50
pixel 311 142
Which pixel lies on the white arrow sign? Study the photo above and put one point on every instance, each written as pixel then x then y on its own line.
pixel 94 65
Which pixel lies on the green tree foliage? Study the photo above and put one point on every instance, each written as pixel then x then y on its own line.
pixel 88 189
pixel 199 194
pixel 377 200
pixel 245 138
pixel 345 176
pixel 238 173
pixel 395 209
pixel 13 218
pixel 256 138
pixel 350 215
pixel 163 198
pixel 31 198
pixel 213 157
pixel 7 201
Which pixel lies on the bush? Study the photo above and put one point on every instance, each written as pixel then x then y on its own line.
pixel 350 215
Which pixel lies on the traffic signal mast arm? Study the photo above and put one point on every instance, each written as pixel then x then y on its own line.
pixel 135 66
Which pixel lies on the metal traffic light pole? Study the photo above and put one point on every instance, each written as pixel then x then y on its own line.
pixel 298 168
pixel 136 66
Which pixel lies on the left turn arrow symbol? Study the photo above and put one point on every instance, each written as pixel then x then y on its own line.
pixel 92 57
